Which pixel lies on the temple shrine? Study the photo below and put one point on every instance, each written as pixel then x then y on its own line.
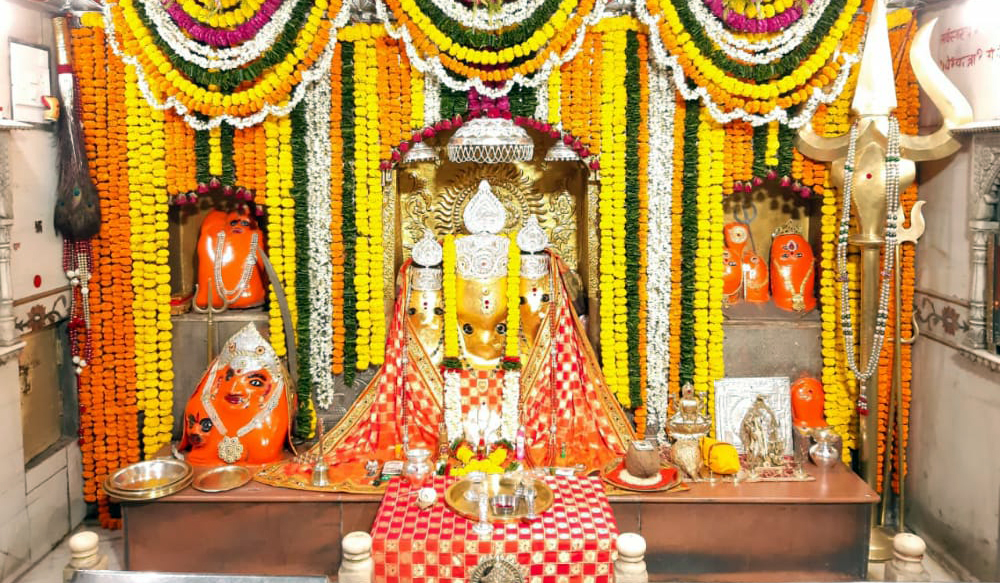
pixel 531 291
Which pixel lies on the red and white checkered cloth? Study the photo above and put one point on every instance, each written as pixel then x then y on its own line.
pixel 574 541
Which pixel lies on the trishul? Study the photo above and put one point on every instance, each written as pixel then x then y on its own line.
pixel 874 102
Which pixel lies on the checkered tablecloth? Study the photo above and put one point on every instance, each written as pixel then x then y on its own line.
pixel 573 541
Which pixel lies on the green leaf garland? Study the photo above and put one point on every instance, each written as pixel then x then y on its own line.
pixel 226 132
pixel 632 251
pixel 303 283
pixel 348 228
pixel 689 239
pixel 202 148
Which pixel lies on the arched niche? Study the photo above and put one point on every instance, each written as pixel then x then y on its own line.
pixel 433 194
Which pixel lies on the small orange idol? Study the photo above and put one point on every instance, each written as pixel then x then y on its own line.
pixel 240 412
pixel 229 247
pixel 792 270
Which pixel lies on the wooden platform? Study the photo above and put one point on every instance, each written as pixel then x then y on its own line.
pixel 773 531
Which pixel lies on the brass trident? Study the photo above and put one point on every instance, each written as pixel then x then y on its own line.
pixel 874 102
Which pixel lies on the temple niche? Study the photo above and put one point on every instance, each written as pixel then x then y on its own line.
pixel 553 184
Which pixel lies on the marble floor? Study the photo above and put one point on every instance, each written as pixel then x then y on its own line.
pixel 50 568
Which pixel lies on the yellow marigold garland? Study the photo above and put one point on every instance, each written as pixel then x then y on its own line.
pixel 553 93
pixel 150 272
pixel 512 346
pixel 450 296
pixel 611 207
pixel 275 231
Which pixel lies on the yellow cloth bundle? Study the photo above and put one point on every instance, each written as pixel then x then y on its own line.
pixel 720 457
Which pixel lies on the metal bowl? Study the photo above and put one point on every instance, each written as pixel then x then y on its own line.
pixel 503 505
pixel 149 475
pixel 222 479
pixel 143 495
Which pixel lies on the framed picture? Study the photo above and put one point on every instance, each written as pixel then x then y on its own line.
pixel 30 80
pixel 735 396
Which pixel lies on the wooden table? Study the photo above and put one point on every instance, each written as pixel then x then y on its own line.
pixel 766 531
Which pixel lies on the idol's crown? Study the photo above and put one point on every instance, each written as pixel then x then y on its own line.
pixel 483 254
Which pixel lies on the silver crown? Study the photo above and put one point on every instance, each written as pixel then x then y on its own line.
pixel 425 278
pixel 247 351
pixel 483 254
pixel 532 240
pixel 427 251
pixel 532 237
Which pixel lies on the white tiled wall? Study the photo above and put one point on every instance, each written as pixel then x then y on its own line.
pixel 38 506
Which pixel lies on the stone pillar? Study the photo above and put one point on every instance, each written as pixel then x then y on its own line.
pixel 357 565
pixel 8 334
pixel 84 554
pixel 630 567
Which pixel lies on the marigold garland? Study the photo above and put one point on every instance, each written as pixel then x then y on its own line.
pixel 512 354
pixel 273 84
pixel 611 207
pixel 109 433
pixel 337 247
pixel 148 201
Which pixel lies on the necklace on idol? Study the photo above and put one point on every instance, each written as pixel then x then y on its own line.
pixel 231 448
pixel 892 158
pixel 230 295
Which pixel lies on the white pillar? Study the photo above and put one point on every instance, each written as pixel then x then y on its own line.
pixel 357 565
pixel 907 559
pixel 630 567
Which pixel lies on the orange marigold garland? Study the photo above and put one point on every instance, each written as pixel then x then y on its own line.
pixel 336 211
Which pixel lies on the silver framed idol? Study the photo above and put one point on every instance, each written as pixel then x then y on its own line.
pixel 735 396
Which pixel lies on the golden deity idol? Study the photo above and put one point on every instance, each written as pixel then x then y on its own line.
pixel 557 398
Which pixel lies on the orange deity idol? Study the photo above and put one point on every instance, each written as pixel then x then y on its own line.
pixel 792 270
pixel 744 272
pixel 807 403
pixel 240 412
pixel 229 248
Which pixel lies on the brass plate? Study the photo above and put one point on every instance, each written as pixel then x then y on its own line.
pixel 149 475
pixel 222 479
pixel 454 497
pixel 147 494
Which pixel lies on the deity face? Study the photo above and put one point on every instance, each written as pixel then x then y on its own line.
pixel 792 277
pixel 425 314
pixel 482 319
pixel 807 403
pixel 237 391
pixel 536 297
pixel 238 223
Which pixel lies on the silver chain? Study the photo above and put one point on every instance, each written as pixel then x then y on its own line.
pixel 230 295
pixel 892 159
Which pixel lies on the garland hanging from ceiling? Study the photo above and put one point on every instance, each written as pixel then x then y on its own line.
pixel 237 65
pixel 757 62
pixel 517 43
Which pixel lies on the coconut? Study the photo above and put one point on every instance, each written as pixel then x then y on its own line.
pixel 642 460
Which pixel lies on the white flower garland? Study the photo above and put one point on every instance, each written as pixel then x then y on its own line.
pixel 453 404
pixel 511 398
pixel 432 67
pixel 510 14
pixel 806 111
pixel 542 102
pixel 320 268
pixel 321 68
pixel 432 101
pixel 209 57
pixel 662 105
pixel 746 50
